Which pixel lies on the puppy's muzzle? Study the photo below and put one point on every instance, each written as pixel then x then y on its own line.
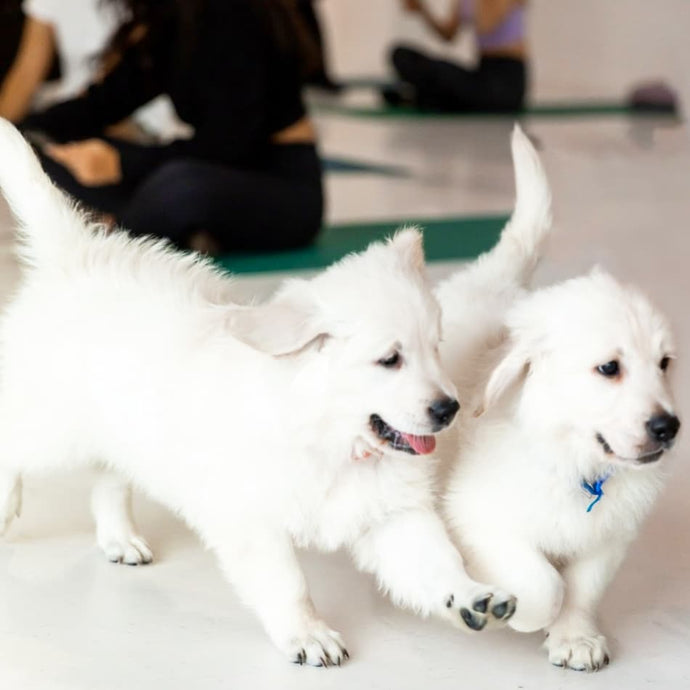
pixel 442 412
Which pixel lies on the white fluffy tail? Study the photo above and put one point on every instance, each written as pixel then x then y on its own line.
pixel 513 260
pixel 48 221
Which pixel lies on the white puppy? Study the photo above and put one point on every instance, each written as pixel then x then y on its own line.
pixel 572 412
pixel 299 422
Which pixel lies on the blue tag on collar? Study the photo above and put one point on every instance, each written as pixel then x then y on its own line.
pixel 595 489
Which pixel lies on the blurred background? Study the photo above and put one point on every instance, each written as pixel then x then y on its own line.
pixel 588 48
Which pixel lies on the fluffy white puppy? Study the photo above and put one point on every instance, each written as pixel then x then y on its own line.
pixel 572 413
pixel 299 422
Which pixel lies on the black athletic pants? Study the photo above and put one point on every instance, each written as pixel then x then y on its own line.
pixel 497 84
pixel 278 205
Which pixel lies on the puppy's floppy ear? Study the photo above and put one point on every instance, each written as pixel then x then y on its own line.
pixel 506 373
pixel 409 243
pixel 286 325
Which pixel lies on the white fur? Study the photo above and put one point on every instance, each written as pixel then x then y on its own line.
pixel 251 422
pixel 526 368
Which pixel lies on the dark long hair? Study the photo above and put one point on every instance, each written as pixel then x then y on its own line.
pixel 144 20
pixel 292 34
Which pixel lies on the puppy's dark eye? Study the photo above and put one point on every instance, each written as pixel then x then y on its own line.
pixel 663 364
pixel 610 369
pixel 392 361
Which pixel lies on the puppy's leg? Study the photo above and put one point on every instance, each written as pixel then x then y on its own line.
pixel 574 640
pixel 111 503
pixel 268 578
pixel 524 571
pixel 10 498
pixel 416 563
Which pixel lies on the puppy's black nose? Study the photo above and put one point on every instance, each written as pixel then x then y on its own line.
pixel 442 411
pixel 663 427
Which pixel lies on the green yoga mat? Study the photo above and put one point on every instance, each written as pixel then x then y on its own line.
pixel 349 166
pixel 444 239
pixel 570 109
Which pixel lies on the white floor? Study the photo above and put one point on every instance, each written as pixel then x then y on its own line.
pixel 70 620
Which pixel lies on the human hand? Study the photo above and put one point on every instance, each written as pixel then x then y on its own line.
pixel 93 162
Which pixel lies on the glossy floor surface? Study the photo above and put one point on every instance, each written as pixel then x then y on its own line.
pixel 70 620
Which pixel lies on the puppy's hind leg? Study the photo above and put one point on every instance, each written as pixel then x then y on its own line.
pixel 111 504
pixel 10 498
pixel 266 574
pixel 415 561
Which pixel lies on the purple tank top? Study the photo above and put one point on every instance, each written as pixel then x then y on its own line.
pixel 510 30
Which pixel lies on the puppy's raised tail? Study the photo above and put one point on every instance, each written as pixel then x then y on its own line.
pixel 49 223
pixel 513 260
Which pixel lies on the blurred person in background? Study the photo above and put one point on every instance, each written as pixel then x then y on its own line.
pixel 53 51
pixel 499 80
pixel 73 33
pixel 320 76
pixel 11 27
pixel 249 178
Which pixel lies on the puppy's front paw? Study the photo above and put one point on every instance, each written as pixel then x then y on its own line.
pixel 480 608
pixel 130 550
pixel 578 652
pixel 317 645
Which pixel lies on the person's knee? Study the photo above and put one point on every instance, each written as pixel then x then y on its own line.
pixel 176 175
pixel 401 57
pixel 165 202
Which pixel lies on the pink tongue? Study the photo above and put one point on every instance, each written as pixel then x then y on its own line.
pixel 421 444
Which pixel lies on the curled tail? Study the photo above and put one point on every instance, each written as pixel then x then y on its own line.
pixel 513 260
pixel 522 239
pixel 48 221
pixel 474 300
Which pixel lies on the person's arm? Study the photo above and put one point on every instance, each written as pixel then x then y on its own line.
pixel 230 129
pixel 446 27
pixel 135 80
pixel 231 111
pixel 490 14
pixel 29 70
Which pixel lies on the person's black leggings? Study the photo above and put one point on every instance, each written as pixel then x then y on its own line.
pixel 278 206
pixel 497 84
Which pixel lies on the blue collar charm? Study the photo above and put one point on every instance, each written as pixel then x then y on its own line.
pixel 595 489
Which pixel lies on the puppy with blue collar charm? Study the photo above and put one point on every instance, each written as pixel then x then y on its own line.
pixel 558 457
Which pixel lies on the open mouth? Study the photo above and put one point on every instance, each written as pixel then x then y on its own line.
pixel 399 440
pixel 644 459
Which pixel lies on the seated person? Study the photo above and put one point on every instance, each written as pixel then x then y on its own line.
pixel 249 178
pixel 76 35
pixel 497 83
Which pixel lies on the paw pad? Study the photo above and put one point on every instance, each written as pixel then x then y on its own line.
pixel 505 609
pixel 480 610
pixel 472 621
pixel 481 605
